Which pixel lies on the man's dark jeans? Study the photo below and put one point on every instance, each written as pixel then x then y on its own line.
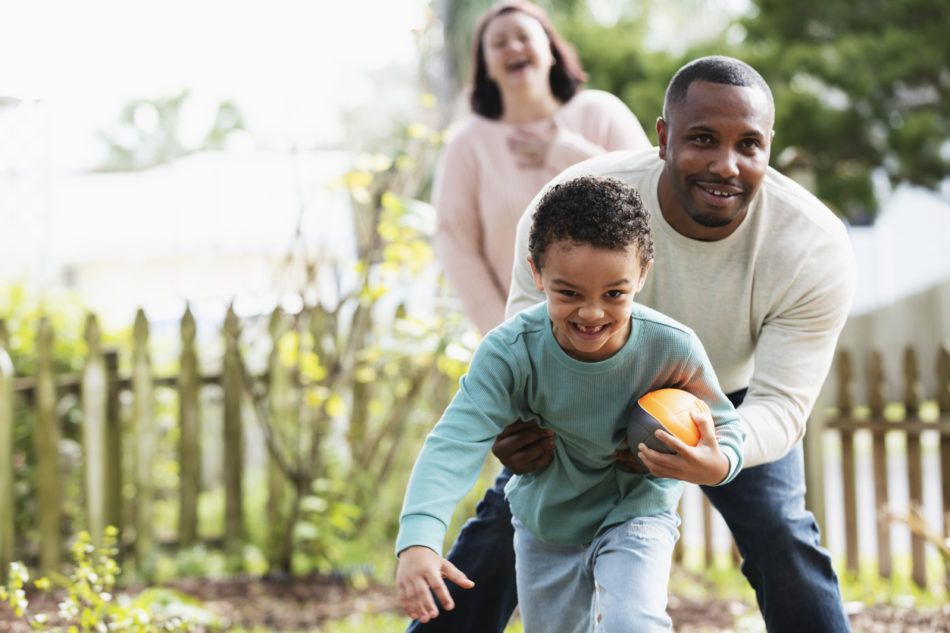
pixel 764 507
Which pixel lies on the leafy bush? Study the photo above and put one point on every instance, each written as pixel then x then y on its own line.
pixel 90 606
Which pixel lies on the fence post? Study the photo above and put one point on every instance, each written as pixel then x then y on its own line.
pixel 876 383
pixel 233 443
pixel 46 445
pixel 849 488
pixel 94 399
pixel 943 402
pixel 143 416
pixel 7 524
pixel 113 472
pixel 189 422
pixel 282 408
pixel 915 477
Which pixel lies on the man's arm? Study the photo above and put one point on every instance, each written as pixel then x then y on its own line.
pixel 794 352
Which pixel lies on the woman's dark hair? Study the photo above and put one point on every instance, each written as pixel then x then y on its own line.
pixel 566 75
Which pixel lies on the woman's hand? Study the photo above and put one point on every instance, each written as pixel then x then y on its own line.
pixel 530 146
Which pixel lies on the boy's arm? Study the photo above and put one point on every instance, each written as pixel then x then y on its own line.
pixel 454 451
pixel 419 574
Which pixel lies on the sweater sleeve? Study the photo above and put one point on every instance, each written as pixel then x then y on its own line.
pixel 458 237
pixel 454 451
pixel 609 124
pixel 794 352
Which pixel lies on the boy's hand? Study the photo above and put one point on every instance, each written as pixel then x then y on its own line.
pixel 703 464
pixel 524 446
pixel 419 570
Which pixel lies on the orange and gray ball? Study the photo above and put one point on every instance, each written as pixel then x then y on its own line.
pixel 670 409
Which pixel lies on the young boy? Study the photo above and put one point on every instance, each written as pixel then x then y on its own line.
pixel 593 542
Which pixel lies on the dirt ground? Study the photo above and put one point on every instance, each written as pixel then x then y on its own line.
pixel 303 604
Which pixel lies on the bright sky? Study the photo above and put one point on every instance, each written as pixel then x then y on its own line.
pixel 290 64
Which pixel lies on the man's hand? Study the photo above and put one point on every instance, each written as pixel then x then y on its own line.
pixel 524 446
pixel 419 570
pixel 627 459
pixel 703 464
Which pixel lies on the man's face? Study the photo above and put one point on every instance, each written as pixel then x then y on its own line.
pixel 716 145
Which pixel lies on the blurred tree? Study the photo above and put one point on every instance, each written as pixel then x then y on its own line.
pixel 149 133
pixel 859 85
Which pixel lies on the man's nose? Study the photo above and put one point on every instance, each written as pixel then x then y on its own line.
pixel 725 163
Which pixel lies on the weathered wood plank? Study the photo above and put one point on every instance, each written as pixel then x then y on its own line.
pixel 915 477
pixel 7 509
pixel 94 404
pixel 189 420
pixel 143 425
pixel 46 445
pixel 233 443
pixel 876 385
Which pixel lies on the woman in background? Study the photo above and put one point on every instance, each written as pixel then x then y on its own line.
pixel 530 120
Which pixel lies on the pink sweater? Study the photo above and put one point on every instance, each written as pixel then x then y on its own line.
pixel 480 192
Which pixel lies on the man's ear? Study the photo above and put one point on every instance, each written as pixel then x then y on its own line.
pixel 662 136
pixel 536 273
pixel 643 275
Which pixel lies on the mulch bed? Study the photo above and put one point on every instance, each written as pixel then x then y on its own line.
pixel 302 604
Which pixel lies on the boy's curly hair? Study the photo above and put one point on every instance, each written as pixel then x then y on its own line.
pixel 600 211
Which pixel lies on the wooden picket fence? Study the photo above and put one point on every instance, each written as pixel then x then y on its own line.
pixel 878 418
pixel 99 387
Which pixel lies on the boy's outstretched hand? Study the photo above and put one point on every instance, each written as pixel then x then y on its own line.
pixel 703 464
pixel 419 573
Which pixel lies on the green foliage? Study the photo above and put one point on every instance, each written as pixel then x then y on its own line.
pixel 861 85
pixel 363 369
pixel 149 133
pixel 616 60
pixel 90 606
pixel 21 311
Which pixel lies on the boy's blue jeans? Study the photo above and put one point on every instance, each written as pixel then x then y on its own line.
pixel 617 583
pixel 764 507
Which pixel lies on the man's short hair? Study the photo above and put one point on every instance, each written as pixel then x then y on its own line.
pixel 599 211
pixel 717 69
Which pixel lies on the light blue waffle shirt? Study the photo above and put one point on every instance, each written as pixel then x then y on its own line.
pixel 520 371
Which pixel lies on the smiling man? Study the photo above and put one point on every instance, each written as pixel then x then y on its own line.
pixel 763 272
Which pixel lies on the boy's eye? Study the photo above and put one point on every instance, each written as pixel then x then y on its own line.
pixel 615 294
pixel 567 293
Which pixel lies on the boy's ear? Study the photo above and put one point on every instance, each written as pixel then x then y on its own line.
pixel 536 273
pixel 643 275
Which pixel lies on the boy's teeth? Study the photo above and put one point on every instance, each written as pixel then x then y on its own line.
pixel 589 329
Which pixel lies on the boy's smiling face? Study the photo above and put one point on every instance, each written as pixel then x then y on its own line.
pixel 590 293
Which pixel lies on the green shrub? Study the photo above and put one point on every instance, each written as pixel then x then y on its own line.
pixel 90 606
